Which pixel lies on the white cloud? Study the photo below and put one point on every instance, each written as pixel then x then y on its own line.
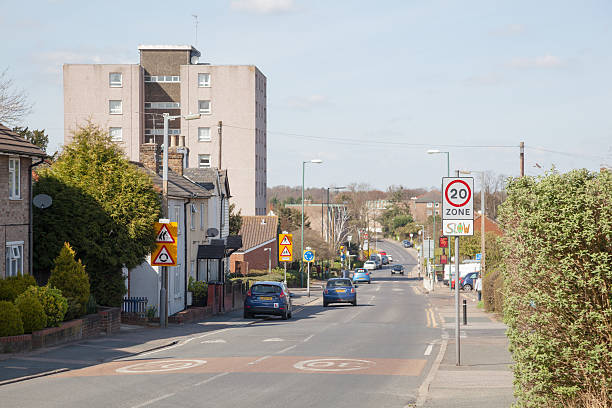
pixel 263 6
pixel 307 102
pixel 545 61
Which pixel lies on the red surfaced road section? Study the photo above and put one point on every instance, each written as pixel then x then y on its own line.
pixel 275 364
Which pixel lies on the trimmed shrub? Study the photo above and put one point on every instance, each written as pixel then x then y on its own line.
pixel 32 313
pixel 199 292
pixel 14 286
pixel 10 319
pixel 558 279
pixel 69 276
pixel 54 304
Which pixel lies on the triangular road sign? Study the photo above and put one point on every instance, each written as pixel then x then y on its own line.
pixel 285 241
pixel 164 235
pixel 286 252
pixel 163 257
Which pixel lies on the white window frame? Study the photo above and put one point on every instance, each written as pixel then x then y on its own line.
pixel 14 258
pixel 203 83
pixel 162 78
pixel 202 138
pixel 205 111
pixel 14 184
pixel 115 84
pixel 194 211
pixel 430 205
pixel 160 132
pixel 110 108
pixel 200 157
pixel 116 138
pixel 162 105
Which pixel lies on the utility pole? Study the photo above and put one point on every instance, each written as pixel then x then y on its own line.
pixel 220 131
pixel 457 275
pixel 522 145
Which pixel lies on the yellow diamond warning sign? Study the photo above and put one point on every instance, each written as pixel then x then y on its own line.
pixel 285 247
pixel 166 251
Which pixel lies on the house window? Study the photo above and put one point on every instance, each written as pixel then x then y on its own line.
pixel 162 105
pixel 203 134
pixel 429 205
pixel 162 78
pixel 203 80
pixel 14 258
pixel 204 107
pixel 204 161
pixel 115 80
pixel 115 107
pixel 194 212
pixel 14 179
pixel 116 134
pixel 160 132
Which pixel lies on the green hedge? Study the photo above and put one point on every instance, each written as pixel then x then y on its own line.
pixel 10 319
pixel 68 275
pixel 54 304
pixel 32 313
pixel 14 286
pixel 558 280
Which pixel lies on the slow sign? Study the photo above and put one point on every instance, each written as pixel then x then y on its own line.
pixel 458 206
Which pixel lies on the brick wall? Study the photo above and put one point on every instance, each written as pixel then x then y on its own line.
pixel 258 258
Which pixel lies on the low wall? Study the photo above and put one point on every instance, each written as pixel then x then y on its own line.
pixel 105 322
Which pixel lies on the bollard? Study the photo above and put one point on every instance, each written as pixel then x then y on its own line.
pixel 464 312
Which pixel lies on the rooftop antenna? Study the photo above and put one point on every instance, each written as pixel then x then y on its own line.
pixel 195 17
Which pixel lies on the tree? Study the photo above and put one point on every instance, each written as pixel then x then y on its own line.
pixel 34 136
pixel 235 220
pixel 103 205
pixel 14 105
pixel 68 275
pixel 290 219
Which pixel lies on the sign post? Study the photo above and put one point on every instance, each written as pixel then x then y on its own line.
pixel 308 257
pixel 165 255
pixel 285 250
pixel 457 220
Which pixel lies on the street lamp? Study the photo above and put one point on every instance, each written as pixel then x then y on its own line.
pixel 436 151
pixel 316 161
pixel 163 292
pixel 269 260
pixel 482 219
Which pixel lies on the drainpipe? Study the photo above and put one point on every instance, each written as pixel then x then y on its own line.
pixel 31 219
pixel 185 206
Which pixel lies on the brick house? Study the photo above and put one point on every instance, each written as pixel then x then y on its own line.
pixel 490 225
pixel 259 241
pixel 17 157
pixel 422 207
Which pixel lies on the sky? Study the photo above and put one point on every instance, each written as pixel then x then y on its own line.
pixel 367 87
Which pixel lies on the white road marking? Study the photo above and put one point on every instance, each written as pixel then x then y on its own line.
pixel 259 359
pixel 210 379
pixel 214 341
pixel 286 349
pixel 160 366
pixel 398 290
pixel 378 289
pixel 333 364
pixel 273 339
pixel 149 402
pixel 185 342
pixel 308 338
pixel 428 350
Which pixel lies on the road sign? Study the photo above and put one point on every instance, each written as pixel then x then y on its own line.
pixel 309 255
pixel 443 242
pixel 285 247
pixel 478 257
pixel 458 205
pixel 165 253
pixel 428 247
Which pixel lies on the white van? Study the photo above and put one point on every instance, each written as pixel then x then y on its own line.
pixel 464 268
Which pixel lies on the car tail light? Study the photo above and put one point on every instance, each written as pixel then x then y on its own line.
pixel 249 292
pixel 282 294
pixel 325 291
pixel 352 290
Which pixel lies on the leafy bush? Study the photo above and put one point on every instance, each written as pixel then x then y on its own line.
pixel 10 319
pixel 199 291
pixel 32 313
pixel 493 291
pixel 14 286
pixel 69 276
pixel 54 304
pixel 558 278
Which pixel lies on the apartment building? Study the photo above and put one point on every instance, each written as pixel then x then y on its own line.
pixel 129 100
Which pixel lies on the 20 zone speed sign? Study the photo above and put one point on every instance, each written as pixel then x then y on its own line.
pixel 458 205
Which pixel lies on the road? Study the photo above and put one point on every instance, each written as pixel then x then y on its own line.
pixel 376 354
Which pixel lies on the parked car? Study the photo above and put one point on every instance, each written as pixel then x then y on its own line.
pixel 390 258
pixel 269 298
pixel 407 244
pixel 397 269
pixel 339 290
pixel 385 260
pixel 466 282
pixel 370 265
pixel 361 275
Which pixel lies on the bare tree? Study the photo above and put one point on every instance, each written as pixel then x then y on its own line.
pixel 14 105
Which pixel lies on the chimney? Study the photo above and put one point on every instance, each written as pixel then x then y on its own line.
pixel 175 161
pixel 151 157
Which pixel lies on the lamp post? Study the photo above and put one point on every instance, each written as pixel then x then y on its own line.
pixel 163 292
pixel 435 151
pixel 316 161
pixel 269 260
pixel 482 219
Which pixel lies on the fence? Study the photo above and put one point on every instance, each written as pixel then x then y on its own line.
pixel 135 305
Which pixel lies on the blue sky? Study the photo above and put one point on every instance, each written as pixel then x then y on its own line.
pixel 366 86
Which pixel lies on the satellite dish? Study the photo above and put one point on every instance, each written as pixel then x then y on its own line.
pixel 212 232
pixel 42 201
pixel 195 59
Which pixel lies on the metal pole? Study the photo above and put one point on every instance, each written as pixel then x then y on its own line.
pixel 302 240
pixel 308 282
pixel 269 261
pixel 433 233
pixel 464 312
pixel 447 164
pixel 522 155
pixel 163 293
pixel 482 225
pixel 457 336
pixel 285 273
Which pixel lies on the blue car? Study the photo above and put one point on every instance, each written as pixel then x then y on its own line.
pixel 339 290
pixel 270 298
pixel 361 275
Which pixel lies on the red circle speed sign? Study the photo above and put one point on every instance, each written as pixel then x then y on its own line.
pixel 459 195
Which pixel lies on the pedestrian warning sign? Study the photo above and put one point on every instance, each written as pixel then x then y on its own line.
pixel 285 247
pixel 286 252
pixel 286 240
pixel 162 257
pixel 165 253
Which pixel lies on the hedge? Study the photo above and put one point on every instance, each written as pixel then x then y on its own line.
pixel 558 284
pixel 68 275
pixel 10 319
pixel 14 286
pixel 54 304
pixel 32 312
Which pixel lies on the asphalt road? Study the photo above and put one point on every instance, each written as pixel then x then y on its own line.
pixel 376 354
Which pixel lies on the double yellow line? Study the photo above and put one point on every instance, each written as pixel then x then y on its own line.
pixel 431 318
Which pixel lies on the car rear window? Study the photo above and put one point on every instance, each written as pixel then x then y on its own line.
pixel 265 289
pixel 338 282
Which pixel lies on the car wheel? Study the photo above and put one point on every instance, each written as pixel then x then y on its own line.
pixel 290 315
pixel 247 315
pixel 284 315
pixel 467 286
pixel 354 303
pixel 325 304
